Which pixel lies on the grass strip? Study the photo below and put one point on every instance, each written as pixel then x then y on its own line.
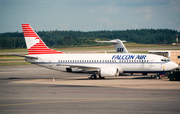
pixel 10 56
pixel 13 50
pixel 15 63
pixel 11 59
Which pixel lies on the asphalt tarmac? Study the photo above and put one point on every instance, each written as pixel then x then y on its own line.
pixel 27 89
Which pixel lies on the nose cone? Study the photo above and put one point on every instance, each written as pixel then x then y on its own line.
pixel 170 66
pixel 173 65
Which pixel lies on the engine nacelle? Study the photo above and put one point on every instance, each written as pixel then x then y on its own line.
pixel 109 72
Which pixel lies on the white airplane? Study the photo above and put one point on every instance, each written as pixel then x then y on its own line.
pixel 102 65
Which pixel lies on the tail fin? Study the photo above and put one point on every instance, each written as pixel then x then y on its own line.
pixel 118 45
pixel 34 43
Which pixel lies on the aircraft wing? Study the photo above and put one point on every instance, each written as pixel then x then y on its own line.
pixel 27 56
pixel 82 67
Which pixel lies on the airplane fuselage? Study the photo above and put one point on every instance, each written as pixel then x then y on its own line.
pixel 128 63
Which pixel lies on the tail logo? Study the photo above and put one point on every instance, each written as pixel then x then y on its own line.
pixel 120 49
pixel 34 43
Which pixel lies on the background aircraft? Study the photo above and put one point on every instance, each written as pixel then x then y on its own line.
pixel 118 45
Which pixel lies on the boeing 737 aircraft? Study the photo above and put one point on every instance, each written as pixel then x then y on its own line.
pixel 102 65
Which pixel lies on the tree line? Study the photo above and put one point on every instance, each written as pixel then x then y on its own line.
pixel 70 38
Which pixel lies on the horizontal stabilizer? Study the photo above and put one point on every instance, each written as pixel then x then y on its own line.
pixel 111 41
pixel 27 56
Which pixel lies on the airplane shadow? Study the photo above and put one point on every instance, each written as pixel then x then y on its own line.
pixel 118 78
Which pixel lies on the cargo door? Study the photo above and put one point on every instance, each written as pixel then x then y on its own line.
pixel 50 63
pixel 151 63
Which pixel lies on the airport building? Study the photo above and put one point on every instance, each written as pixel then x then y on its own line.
pixel 173 55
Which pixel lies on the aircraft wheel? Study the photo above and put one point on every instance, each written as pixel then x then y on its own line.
pixel 93 76
pixel 157 77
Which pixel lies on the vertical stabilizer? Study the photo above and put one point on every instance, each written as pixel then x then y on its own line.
pixel 34 43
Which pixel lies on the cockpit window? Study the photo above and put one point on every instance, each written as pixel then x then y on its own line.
pixel 165 59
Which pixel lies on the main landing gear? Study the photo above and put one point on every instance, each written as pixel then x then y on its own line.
pixel 158 76
pixel 94 76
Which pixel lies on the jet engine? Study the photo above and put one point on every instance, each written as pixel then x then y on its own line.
pixel 109 72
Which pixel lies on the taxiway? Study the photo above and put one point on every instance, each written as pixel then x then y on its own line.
pixel 30 89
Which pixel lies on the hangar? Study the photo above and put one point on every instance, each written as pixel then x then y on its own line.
pixel 173 55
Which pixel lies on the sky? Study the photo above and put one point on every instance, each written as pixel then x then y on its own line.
pixel 89 15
